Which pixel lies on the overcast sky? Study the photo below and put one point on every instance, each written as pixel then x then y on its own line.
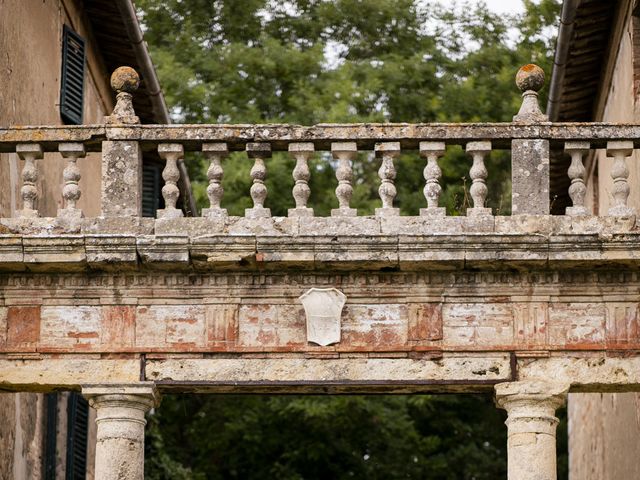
pixel 510 6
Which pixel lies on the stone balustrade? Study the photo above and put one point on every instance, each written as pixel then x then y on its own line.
pixel 124 307
pixel 122 139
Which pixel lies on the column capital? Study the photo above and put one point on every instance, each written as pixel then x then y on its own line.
pixel 534 392
pixel 142 396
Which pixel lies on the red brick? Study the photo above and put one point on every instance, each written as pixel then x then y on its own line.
pixel 23 328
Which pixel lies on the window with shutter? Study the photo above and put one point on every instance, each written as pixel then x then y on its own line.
pixel 51 400
pixel 151 188
pixel 72 88
pixel 77 429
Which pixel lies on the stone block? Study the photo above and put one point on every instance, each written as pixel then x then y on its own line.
pixel 503 251
pixel 424 225
pixel 170 326
pixel 577 325
pixel 261 226
pixel 477 326
pixel 349 251
pixel 223 251
pixel 164 251
pixel 118 226
pixel 623 325
pixel 525 224
pixel 22 328
pixel 440 251
pixel 11 253
pixel 121 179
pixel 70 327
pixel 222 325
pixel 295 251
pixel 356 226
pixel 104 251
pixel 190 226
pixel 117 326
pixel 264 326
pixel 530 176
pixel 531 324
pixel 424 322
pixel 374 326
pixel 55 251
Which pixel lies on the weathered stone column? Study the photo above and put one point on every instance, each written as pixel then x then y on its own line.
pixel 120 437
pixel 531 425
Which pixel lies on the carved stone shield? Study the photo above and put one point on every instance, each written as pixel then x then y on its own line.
pixel 323 308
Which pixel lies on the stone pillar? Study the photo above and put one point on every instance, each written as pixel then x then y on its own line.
pixel 530 157
pixel 120 429
pixel 531 426
pixel 122 159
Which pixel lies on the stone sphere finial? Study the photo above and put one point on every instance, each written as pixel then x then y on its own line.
pixel 125 79
pixel 530 77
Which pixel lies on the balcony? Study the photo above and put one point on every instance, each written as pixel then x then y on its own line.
pixel 120 237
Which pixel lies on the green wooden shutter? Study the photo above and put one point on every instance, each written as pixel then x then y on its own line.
pixel 77 432
pixel 72 87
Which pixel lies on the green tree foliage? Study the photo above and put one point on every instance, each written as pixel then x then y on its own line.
pixel 312 437
pixel 321 61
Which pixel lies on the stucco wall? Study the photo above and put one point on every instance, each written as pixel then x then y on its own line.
pixel 604 429
pixel 30 68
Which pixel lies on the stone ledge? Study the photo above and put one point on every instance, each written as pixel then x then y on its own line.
pixel 409 243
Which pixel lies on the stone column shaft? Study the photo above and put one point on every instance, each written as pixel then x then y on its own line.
pixel 120 429
pixel 531 426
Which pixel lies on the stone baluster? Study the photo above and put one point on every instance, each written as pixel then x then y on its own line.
pixel 531 427
pixel 171 153
pixel 122 159
pixel 432 173
pixel 215 152
pixel 120 424
pixel 345 153
pixel 259 152
pixel 388 152
pixel 478 174
pixel 302 153
pixel 29 152
pixel 71 191
pixel 620 150
pixel 578 189
pixel 530 157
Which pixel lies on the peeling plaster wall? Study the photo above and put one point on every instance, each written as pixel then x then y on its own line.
pixel 30 67
pixel 604 429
